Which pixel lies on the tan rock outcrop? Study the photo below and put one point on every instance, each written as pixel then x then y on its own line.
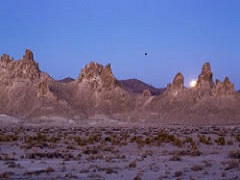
pixel 24 69
pixel 224 88
pixel 147 93
pixel 98 76
pixel 205 78
pixel 44 88
pixel 177 86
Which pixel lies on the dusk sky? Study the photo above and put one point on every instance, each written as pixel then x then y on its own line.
pixel 178 35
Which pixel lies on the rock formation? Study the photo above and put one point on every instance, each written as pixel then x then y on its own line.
pixel 25 68
pixel 98 76
pixel 44 87
pixel 205 81
pixel 224 88
pixel 27 92
pixel 177 86
pixel 229 86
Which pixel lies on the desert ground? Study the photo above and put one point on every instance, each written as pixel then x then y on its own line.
pixel 125 151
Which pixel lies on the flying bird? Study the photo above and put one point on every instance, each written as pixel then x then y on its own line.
pixel 145 54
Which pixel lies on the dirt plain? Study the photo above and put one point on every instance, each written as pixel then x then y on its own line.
pixel 123 151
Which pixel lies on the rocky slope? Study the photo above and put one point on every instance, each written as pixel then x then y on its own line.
pixel 66 80
pixel 28 93
pixel 137 86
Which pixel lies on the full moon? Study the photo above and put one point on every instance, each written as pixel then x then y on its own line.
pixel 193 83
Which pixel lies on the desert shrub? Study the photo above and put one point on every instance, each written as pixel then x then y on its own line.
pixel 49 170
pixel 140 141
pixel 237 137
pixel 220 141
pixel 204 140
pixel 171 138
pixel 234 164
pixel 175 157
pixel 54 139
pixel 70 176
pixel 137 178
pixel 188 139
pixel 178 173
pixel 197 168
pixel 5 175
pixel 41 137
pixel 207 164
pixel 194 146
pixel 8 138
pixel 132 164
pixel 148 140
pixel 80 141
pixel 177 142
pixel 70 146
pixel 234 154
pixel 229 142
pixel 108 139
pixel 223 174
pixel 133 139
pixel 110 170
pixel 162 137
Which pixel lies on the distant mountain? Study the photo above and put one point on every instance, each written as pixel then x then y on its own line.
pixel 66 80
pixel 137 86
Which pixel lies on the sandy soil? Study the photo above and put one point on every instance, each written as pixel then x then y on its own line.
pixel 122 152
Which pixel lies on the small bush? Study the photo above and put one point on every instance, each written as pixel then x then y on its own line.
pixel 49 170
pixel 229 142
pixel 234 154
pixel 178 173
pixel 204 140
pixel 177 142
pixel 132 164
pixel 220 141
pixel 197 168
pixel 234 164
pixel 175 158
pixel 137 178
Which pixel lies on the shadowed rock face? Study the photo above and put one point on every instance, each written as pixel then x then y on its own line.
pixel 137 86
pixel 205 78
pixel 27 92
pixel 66 80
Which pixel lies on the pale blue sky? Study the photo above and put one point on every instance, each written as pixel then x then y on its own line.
pixel 178 35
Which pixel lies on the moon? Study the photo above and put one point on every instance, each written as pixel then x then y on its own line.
pixel 193 83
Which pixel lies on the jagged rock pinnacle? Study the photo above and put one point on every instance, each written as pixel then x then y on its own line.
pixel 25 68
pixel 97 75
pixel 28 55
pixel 205 78
pixel 177 86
